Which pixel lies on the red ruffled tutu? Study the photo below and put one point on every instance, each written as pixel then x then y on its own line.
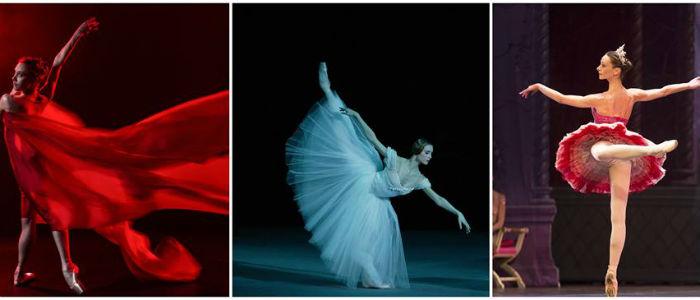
pixel 585 174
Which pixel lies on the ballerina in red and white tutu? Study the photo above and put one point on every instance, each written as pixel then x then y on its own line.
pixel 603 156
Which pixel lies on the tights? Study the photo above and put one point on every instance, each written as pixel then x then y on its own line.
pixel 60 237
pixel 620 168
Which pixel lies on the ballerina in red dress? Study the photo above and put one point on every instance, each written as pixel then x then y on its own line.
pixel 71 176
pixel 603 156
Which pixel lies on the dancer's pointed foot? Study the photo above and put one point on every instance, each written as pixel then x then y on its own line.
pixel 376 286
pixel 21 278
pixel 663 148
pixel 610 284
pixel 370 280
pixel 70 274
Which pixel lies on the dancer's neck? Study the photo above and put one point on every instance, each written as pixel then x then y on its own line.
pixel 615 85
pixel 32 95
pixel 414 163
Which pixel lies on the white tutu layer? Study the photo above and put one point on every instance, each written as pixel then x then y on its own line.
pixel 332 167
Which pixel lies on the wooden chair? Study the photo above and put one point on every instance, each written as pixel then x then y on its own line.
pixel 504 250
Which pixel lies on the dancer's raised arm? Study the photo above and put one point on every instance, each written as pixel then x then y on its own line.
pixel 648 95
pixel 365 128
pixel 570 100
pixel 85 28
pixel 442 202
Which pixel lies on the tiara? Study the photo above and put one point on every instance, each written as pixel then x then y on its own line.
pixel 622 54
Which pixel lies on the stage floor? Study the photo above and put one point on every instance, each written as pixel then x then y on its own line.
pixel 596 290
pixel 281 262
pixel 103 271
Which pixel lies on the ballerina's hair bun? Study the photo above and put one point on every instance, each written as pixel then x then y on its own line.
pixel 619 60
pixel 38 68
pixel 418 146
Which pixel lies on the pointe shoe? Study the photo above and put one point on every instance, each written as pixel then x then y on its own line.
pixel 372 282
pixel 21 278
pixel 610 284
pixel 71 277
pixel 663 148
pixel 375 285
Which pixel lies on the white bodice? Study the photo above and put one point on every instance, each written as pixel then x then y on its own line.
pixel 387 183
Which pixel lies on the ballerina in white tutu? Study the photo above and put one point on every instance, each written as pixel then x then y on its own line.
pixel 343 187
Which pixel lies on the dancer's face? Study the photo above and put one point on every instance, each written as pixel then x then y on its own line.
pixel 21 80
pixel 606 70
pixel 426 155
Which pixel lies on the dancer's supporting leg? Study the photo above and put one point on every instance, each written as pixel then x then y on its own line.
pixel 620 172
pixel 23 246
pixel 619 190
pixel 70 270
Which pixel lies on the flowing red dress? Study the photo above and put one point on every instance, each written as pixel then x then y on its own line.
pixel 71 176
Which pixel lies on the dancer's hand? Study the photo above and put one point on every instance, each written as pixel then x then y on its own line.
pixel 323 78
pixel 348 112
pixel 695 83
pixel 462 221
pixel 534 88
pixel 89 26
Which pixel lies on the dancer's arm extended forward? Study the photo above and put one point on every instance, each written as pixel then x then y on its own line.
pixel 571 100
pixel 442 202
pixel 86 27
pixel 648 95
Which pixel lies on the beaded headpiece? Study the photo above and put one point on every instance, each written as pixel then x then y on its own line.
pixel 622 54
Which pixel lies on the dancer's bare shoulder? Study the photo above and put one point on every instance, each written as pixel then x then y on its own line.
pixel 636 93
pixel 597 97
pixel 5 102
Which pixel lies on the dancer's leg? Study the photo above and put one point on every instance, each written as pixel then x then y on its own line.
pixel 70 270
pixel 25 241
pixel 24 244
pixel 619 190
pixel 370 275
pixel 61 239
pixel 605 151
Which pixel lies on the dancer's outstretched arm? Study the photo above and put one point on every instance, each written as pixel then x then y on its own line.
pixel 85 28
pixel 365 128
pixel 442 202
pixel 648 95
pixel 570 100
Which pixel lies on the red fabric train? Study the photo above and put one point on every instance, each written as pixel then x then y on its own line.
pixel 77 177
